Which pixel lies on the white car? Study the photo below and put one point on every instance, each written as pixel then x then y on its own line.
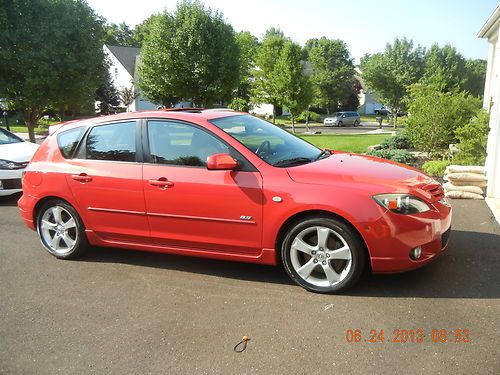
pixel 15 154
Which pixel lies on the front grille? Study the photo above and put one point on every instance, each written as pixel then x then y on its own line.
pixel 445 237
pixel 12 183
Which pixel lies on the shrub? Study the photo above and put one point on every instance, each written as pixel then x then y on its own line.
pixel 435 115
pixel 399 141
pixel 313 117
pixel 472 138
pixel 435 167
pixel 400 156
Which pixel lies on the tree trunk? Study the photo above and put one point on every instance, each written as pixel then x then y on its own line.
pixel 396 119
pixel 293 124
pixel 31 117
pixel 274 114
pixel 307 121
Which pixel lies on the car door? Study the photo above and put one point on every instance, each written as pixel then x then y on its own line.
pixel 105 178
pixel 189 206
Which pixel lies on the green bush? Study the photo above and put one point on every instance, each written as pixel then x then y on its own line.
pixel 313 117
pixel 399 141
pixel 435 167
pixel 400 156
pixel 472 138
pixel 435 115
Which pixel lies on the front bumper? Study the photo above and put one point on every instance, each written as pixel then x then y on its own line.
pixel 393 236
pixel 10 181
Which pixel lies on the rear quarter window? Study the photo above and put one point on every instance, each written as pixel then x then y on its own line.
pixel 68 141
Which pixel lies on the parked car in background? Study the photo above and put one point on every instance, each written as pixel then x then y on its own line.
pixel 342 119
pixel 226 185
pixel 15 154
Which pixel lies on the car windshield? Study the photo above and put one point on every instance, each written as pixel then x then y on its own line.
pixel 337 114
pixel 7 137
pixel 271 143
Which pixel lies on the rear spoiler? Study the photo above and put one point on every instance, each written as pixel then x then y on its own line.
pixel 54 128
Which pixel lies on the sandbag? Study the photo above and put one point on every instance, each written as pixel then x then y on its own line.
pixel 448 186
pixel 465 169
pixel 462 195
pixel 465 177
pixel 469 183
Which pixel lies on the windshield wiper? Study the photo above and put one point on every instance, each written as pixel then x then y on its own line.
pixel 323 154
pixel 292 161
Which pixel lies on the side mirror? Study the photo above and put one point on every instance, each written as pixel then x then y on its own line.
pixel 221 162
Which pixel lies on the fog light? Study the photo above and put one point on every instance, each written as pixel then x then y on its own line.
pixel 416 253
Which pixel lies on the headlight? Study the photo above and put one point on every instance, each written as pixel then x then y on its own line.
pixel 402 203
pixel 7 164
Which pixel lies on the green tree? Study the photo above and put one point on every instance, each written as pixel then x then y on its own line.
pixel 51 56
pixel 436 115
pixel 332 72
pixel 119 35
pixel 141 30
pixel 107 96
pixel 444 66
pixel 190 54
pixel 472 140
pixel 390 73
pixel 291 82
pixel 247 44
pixel 475 71
pixel 265 89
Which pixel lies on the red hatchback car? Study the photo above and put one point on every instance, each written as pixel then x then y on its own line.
pixel 226 185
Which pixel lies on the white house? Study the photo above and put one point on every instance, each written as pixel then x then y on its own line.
pixel 123 71
pixel 368 103
pixel 491 103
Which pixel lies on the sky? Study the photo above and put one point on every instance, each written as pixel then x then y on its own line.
pixel 365 25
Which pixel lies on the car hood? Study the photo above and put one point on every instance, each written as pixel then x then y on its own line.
pixel 19 152
pixel 363 170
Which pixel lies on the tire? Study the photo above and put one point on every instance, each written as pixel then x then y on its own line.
pixel 61 230
pixel 356 123
pixel 340 124
pixel 308 261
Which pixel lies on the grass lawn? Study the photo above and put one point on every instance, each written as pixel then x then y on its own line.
pixel 350 143
pixel 24 129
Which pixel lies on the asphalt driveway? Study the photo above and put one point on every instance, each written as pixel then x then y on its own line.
pixel 127 312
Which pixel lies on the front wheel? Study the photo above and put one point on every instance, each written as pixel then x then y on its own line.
pixel 356 123
pixel 61 230
pixel 323 255
pixel 340 124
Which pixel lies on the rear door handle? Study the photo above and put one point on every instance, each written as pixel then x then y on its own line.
pixel 82 177
pixel 162 182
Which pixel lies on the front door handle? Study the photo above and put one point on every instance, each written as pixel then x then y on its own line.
pixel 162 182
pixel 82 177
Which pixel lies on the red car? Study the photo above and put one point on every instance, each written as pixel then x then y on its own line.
pixel 226 185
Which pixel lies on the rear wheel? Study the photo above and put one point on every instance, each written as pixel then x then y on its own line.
pixel 61 230
pixel 323 255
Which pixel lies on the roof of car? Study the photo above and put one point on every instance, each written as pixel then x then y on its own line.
pixel 186 114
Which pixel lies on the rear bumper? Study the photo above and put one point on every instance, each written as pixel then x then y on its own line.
pixel 396 235
pixel 26 204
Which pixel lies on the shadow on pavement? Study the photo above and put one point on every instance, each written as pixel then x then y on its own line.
pixel 10 200
pixel 468 269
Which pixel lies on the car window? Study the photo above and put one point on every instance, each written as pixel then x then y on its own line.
pixel 68 140
pixel 268 141
pixel 181 144
pixel 115 142
pixel 7 137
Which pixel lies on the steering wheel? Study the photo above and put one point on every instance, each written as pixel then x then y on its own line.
pixel 264 148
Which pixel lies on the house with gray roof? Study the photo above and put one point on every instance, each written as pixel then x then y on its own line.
pixel 124 73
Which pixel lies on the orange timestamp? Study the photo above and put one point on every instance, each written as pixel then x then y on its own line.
pixel 400 335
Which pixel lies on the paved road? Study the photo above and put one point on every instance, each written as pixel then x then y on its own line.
pixel 363 128
pixel 126 312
